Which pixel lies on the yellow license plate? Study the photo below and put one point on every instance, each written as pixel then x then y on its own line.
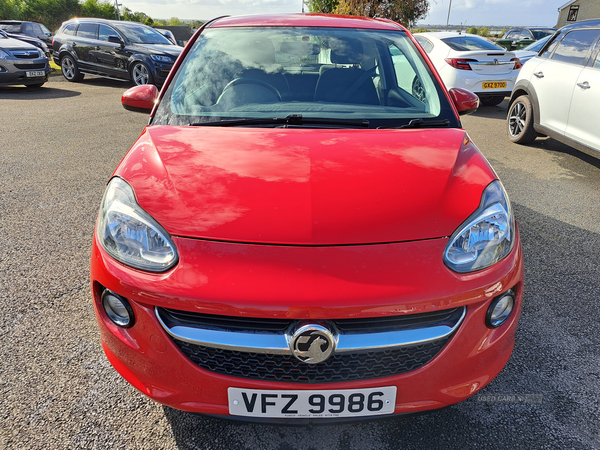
pixel 495 85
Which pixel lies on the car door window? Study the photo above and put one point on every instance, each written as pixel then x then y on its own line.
pixel 29 28
pixel 575 46
pixel 426 44
pixel 70 29
pixel 104 32
pixel 87 30
pixel 525 34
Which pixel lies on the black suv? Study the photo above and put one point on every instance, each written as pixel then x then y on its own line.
pixel 527 35
pixel 32 29
pixel 113 49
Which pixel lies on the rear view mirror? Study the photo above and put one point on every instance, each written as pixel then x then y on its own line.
pixel 465 101
pixel 140 98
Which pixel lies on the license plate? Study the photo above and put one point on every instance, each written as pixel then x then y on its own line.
pixel 318 403
pixel 495 85
pixel 35 73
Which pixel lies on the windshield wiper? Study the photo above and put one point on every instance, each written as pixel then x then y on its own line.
pixel 418 123
pixel 291 119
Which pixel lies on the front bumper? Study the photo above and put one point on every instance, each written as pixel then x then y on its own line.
pixel 315 283
pixel 14 72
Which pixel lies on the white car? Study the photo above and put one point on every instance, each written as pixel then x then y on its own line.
pixel 557 92
pixel 531 50
pixel 472 62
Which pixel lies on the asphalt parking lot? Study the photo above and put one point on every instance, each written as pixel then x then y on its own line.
pixel 59 146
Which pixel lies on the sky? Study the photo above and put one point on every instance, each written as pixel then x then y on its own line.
pixel 467 12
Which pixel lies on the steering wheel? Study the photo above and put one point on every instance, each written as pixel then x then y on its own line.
pixel 418 90
pixel 257 82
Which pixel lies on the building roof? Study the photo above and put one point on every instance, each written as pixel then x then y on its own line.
pixel 560 8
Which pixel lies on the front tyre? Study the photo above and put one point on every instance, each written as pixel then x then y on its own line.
pixel 520 121
pixel 69 69
pixel 140 74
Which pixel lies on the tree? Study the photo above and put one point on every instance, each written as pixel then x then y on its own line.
pixel 322 6
pixel 174 22
pixel 485 32
pixel 406 12
pixel 473 30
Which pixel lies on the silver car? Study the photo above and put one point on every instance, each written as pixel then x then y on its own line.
pixel 22 63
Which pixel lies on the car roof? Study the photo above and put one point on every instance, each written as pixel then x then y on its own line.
pixel 592 23
pixel 104 21
pixel 446 34
pixel 305 20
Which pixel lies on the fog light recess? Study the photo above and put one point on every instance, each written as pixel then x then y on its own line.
pixel 117 309
pixel 500 309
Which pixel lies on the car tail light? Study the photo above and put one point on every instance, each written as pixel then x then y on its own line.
pixel 460 63
pixel 518 64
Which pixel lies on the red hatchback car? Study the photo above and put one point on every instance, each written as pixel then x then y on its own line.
pixel 305 231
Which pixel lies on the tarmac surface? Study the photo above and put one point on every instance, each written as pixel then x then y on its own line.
pixel 58 147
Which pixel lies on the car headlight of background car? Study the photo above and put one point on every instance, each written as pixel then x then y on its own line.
pixel 4 55
pixel 162 58
pixel 486 237
pixel 129 234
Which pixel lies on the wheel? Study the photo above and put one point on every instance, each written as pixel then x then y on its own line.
pixel 492 101
pixel 69 69
pixel 140 74
pixel 520 121
pixel 418 91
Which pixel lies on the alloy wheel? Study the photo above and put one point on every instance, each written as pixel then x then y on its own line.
pixel 516 119
pixel 140 74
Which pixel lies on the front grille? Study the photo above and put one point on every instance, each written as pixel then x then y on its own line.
pixel 30 66
pixel 353 365
pixel 338 368
pixel 25 54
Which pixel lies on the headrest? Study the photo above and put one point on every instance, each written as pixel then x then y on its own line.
pixel 254 51
pixel 346 51
pixel 300 48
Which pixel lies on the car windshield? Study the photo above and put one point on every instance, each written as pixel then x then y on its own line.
pixel 537 45
pixel 10 28
pixel 539 34
pixel 143 35
pixel 470 43
pixel 367 77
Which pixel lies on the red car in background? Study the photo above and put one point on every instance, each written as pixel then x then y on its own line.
pixel 305 231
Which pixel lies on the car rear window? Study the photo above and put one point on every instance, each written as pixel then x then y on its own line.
pixel 10 28
pixel 470 43
pixel 539 34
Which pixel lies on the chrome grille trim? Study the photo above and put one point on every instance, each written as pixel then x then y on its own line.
pixel 277 343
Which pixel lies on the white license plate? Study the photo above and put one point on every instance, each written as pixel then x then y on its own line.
pixel 322 403
pixel 35 73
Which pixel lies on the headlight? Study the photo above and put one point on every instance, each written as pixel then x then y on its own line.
pixel 129 234
pixel 486 237
pixel 4 55
pixel 161 58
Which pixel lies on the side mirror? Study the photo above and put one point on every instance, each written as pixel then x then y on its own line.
pixel 465 101
pixel 140 98
pixel 116 40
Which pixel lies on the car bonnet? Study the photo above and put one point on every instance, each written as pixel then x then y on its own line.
pixel 306 186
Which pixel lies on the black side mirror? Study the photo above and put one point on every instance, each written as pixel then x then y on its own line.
pixel 116 40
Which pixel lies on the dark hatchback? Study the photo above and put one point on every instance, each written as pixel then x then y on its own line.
pixel 126 51
pixel 31 29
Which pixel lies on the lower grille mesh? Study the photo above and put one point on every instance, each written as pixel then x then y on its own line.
pixel 338 368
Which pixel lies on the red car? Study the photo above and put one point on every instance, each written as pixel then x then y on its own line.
pixel 305 231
